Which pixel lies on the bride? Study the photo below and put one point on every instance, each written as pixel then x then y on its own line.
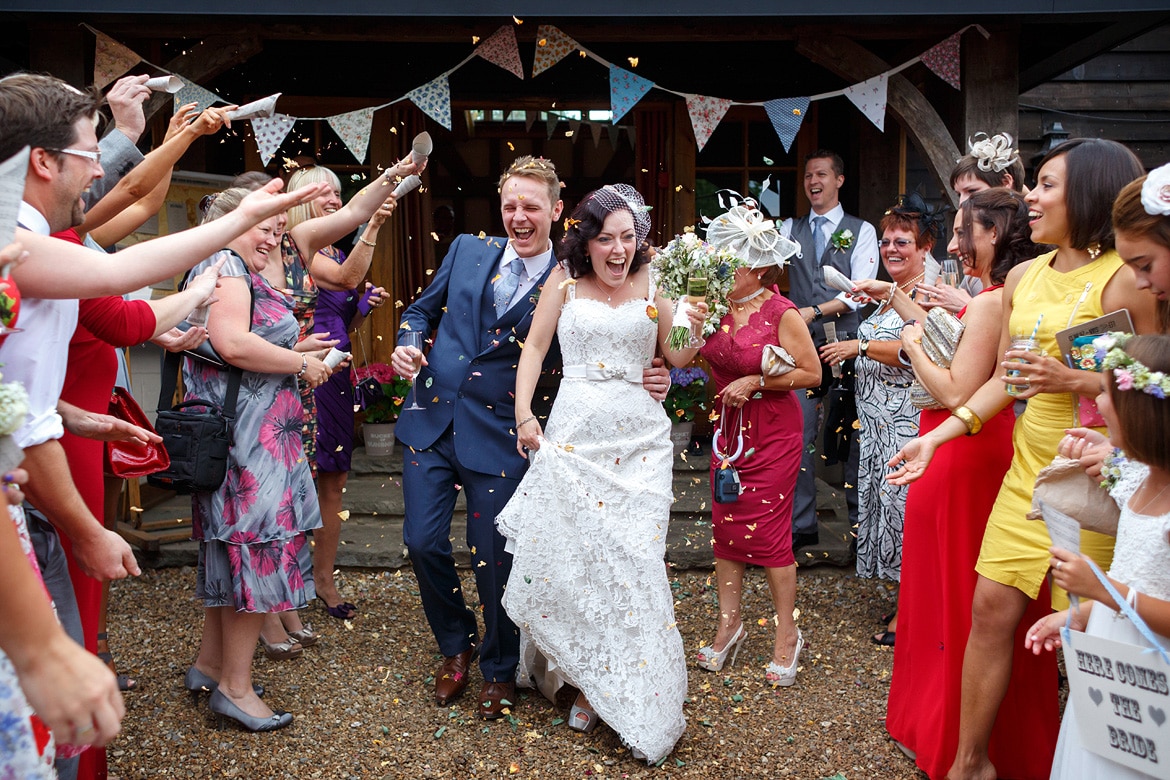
pixel 587 525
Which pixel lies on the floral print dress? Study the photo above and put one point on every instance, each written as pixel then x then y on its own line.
pixel 253 553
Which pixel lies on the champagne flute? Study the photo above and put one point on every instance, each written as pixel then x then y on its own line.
pixel 950 274
pixel 414 340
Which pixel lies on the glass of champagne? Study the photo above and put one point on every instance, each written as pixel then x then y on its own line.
pixel 414 340
pixel 696 293
pixel 951 274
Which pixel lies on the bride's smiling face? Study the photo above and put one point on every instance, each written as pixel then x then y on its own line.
pixel 612 250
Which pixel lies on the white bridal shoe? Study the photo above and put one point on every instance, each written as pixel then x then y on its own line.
pixel 784 676
pixel 713 660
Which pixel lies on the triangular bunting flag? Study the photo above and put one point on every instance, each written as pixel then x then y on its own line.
pixel 870 97
pixel 552 46
pixel 110 60
pixel 434 99
pixel 943 59
pixel 575 129
pixel 354 129
pixel 625 90
pixel 787 114
pixel 595 128
pixel 530 118
pixel 706 112
pixel 500 49
pixel 615 136
pixel 193 93
pixel 270 133
pixel 550 124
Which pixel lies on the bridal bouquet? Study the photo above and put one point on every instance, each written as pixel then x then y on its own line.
pixel 13 410
pixel 681 268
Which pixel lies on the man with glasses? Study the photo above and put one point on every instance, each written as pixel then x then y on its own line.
pixel 827 236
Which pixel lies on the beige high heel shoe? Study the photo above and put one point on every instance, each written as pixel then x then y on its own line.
pixel 712 660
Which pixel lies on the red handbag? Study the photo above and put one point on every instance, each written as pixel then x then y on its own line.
pixel 129 460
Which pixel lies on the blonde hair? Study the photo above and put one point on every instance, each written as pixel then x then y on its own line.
pixel 535 168
pixel 314 174
pixel 224 202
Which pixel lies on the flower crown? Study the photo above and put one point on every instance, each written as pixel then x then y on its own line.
pixel 1130 374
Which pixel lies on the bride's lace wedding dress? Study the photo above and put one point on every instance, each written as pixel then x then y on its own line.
pixel 587 527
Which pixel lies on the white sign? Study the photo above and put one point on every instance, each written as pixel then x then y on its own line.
pixel 1121 699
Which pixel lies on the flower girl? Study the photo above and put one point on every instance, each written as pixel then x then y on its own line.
pixel 1133 402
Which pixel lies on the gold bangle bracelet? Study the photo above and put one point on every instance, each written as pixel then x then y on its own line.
pixel 970 419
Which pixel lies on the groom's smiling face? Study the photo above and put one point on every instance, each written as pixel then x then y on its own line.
pixel 528 214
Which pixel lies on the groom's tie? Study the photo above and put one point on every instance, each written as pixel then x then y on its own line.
pixel 507 286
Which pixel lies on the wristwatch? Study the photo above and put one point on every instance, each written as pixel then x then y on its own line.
pixel 817 313
pixel 761 380
pixel 862 346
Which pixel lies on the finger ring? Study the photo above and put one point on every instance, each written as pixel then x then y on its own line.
pixel 1058 565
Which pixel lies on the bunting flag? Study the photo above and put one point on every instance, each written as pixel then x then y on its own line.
pixel 550 124
pixel 354 130
pixel 434 100
pixel 625 90
pixel 575 129
pixel 787 114
pixel 530 118
pixel 270 133
pixel 706 112
pixel 943 60
pixel 193 93
pixel 552 46
pixel 110 60
pixel 870 97
pixel 615 136
pixel 500 49
pixel 595 128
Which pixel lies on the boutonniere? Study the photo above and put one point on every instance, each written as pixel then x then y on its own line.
pixel 652 312
pixel 534 298
pixel 841 240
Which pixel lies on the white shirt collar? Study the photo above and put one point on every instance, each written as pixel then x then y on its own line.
pixel 32 219
pixel 834 215
pixel 533 266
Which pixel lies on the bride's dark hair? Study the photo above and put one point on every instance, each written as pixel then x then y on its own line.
pixel 583 225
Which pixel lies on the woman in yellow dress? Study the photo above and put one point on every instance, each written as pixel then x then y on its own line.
pixel 1079 281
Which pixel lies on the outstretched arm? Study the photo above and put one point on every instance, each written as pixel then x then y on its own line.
pixel 536 346
pixel 91 275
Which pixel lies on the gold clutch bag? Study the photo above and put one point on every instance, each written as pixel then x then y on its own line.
pixel 940 338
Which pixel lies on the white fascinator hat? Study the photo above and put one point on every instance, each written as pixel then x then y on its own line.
pixel 744 232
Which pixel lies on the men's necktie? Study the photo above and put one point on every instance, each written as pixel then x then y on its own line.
pixel 507 286
pixel 819 235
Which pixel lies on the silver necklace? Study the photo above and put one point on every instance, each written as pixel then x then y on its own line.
pixel 747 298
pixel 1152 500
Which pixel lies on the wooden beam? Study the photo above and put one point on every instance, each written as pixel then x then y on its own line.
pixel 206 60
pixel 854 62
pixel 1088 47
pixel 991 93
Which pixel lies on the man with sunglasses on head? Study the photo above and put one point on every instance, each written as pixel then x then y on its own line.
pixel 827 236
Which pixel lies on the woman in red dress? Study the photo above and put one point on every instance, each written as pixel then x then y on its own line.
pixel 946 512
pixel 759 418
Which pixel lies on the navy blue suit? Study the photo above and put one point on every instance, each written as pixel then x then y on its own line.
pixel 466 436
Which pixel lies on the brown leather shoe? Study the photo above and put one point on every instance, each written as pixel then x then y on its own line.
pixel 451 678
pixel 496 700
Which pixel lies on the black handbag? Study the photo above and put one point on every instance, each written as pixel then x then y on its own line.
pixel 197 434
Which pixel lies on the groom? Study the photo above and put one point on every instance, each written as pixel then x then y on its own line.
pixel 476 312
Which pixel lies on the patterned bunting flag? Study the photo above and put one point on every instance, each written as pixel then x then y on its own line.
pixel 706 112
pixel 787 114
pixel 943 60
pixel 625 90
pixel 354 129
pixel 870 97
pixel 500 49
pixel 552 46
pixel 193 93
pixel 270 133
pixel 110 60
pixel 434 99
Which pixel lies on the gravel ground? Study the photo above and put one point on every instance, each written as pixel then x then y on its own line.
pixel 364 708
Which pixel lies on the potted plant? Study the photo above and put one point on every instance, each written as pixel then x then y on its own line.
pixel 380 409
pixel 687 395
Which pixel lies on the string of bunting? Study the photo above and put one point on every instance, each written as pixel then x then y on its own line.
pixel 626 89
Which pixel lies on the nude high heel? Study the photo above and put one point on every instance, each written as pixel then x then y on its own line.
pixel 713 660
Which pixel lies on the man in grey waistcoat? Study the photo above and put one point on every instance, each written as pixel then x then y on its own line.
pixel 827 236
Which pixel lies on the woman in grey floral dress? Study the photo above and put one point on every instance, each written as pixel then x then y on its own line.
pixel 253 555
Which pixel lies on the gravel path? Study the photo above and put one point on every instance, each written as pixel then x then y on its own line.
pixel 364 709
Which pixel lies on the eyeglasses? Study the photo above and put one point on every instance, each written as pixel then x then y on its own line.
pixel 901 243
pixel 95 157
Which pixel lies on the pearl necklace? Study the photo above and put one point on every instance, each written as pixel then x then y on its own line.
pixel 912 282
pixel 747 298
